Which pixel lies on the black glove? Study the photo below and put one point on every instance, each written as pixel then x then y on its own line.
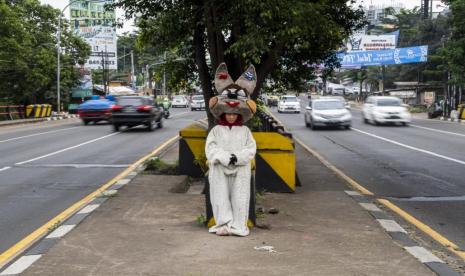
pixel 233 159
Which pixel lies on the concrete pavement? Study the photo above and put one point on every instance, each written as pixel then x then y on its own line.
pixel 147 230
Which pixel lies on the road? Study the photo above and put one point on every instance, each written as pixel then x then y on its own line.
pixel 46 167
pixel 420 168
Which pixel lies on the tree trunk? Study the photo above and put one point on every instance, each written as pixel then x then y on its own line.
pixel 202 67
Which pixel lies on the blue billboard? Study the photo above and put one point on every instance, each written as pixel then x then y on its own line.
pixel 384 57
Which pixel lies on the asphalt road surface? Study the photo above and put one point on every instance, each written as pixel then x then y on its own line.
pixel 420 168
pixel 46 167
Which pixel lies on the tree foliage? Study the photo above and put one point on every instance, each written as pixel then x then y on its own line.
pixel 282 38
pixel 28 52
pixel 455 50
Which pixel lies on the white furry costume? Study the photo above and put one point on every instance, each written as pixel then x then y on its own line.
pixel 230 183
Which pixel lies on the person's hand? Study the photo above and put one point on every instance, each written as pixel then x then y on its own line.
pixel 233 159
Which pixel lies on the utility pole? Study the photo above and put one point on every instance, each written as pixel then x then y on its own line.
pixel 103 73
pixel 164 74
pixel 133 77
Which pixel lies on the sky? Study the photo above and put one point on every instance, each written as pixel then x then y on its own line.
pixel 60 4
pixel 408 4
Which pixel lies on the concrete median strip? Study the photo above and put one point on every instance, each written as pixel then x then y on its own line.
pixel 66 221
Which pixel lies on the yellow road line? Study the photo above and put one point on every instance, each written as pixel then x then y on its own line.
pixel 338 172
pixel 425 228
pixel 19 247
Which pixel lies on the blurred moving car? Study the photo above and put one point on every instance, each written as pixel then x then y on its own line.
pixel 179 101
pixel 385 109
pixel 136 110
pixel 289 103
pixel 197 103
pixel 272 100
pixel 96 109
pixel 329 111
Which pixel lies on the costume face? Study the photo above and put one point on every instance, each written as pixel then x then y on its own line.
pixel 231 118
pixel 234 97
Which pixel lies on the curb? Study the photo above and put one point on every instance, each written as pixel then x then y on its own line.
pixel 401 237
pixel 460 121
pixel 38 248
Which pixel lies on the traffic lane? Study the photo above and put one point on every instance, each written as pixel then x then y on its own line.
pixel 123 148
pixel 383 168
pixel 29 197
pixel 12 132
pixel 445 144
pixel 445 217
pixel 433 124
pixel 24 149
pixel 453 127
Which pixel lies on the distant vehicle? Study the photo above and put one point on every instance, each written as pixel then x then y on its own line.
pixel 289 103
pixel 96 110
pixel 385 109
pixel 327 111
pixel 273 100
pixel 137 110
pixel 197 103
pixel 336 89
pixel 179 101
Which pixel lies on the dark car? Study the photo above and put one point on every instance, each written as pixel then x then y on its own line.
pixel 136 110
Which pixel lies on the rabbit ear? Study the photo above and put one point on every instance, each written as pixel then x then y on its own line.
pixel 248 79
pixel 222 78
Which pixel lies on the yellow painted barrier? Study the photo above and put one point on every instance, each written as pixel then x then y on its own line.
pixel 275 159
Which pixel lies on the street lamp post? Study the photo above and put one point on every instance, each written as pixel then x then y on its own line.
pixel 59 50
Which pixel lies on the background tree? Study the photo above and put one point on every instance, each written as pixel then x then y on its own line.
pixel 282 38
pixel 28 52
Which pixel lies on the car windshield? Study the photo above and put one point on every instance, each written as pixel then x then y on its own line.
pixel 326 105
pixel 290 99
pixel 388 102
pixel 179 98
pixel 197 98
pixel 130 101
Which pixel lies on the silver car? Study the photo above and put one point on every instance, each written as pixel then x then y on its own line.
pixel 325 112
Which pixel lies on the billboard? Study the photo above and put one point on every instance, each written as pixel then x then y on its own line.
pixel 371 42
pixel 384 57
pixel 96 26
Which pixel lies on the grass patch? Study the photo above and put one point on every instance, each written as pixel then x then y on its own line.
pixel 158 166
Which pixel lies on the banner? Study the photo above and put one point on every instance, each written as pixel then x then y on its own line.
pixel 97 27
pixel 371 42
pixel 384 57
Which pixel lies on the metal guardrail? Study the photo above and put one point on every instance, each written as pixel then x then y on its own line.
pixel 12 112
pixel 269 124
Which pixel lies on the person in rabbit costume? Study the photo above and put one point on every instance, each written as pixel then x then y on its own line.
pixel 229 148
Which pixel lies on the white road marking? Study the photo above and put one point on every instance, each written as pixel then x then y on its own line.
pixel 352 193
pixel 4 169
pixel 20 265
pixel 412 148
pixel 123 182
pixel 391 226
pixel 422 254
pixel 36 134
pixel 370 207
pixel 89 208
pixel 60 231
pixel 66 149
pixel 437 130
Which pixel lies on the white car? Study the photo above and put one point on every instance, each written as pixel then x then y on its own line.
pixel 289 103
pixel 179 101
pixel 198 102
pixel 328 111
pixel 385 109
